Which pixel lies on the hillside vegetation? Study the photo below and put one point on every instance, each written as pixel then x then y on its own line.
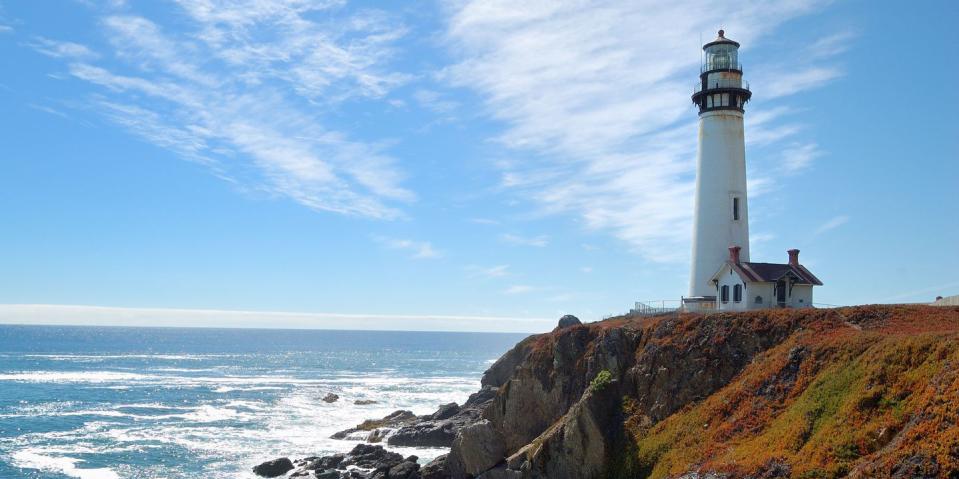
pixel 869 391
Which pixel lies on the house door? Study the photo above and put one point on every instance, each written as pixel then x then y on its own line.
pixel 781 292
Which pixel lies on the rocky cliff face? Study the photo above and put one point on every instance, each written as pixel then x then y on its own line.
pixel 868 392
pixel 679 396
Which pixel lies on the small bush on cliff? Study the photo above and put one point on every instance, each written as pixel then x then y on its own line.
pixel 601 381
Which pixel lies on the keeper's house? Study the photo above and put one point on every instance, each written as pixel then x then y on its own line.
pixel 742 285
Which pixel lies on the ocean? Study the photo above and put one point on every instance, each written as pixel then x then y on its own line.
pixel 111 402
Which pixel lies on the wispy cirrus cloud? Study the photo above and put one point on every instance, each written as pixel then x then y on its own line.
pixel 832 224
pixel 535 241
pixel 241 86
pixel 58 49
pixel 598 93
pixel 417 249
pixel 519 289
pixel 799 156
pixel 498 271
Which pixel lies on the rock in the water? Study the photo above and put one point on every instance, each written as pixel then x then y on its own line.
pixel 477 447
pixel 446 411
pixel 439 429
pixel 274 468
pixel 364 402
pixel 567 321
pixel 436 469
pixel 372 457
pixel 394 420
pixel 408 469
pixel 331 398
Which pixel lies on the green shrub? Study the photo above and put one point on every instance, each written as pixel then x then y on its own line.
pixel 601 381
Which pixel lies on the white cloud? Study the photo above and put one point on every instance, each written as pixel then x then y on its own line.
pixel 484 221
pixel 535 241
pixel 599 93
pixel 519 289
pixel 497 271
pixel 239 91
pixel 419 249
pixel 58 49
pixel 163 317
pixel 798 157
pixel 789 81
pixel 832 224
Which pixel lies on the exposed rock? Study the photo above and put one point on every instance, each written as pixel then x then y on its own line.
pixel 407 469
pixel 364 402
pixel 371 457
pixel 504 367
pixel 477 448
pixel 439 428
pixel 436 469
pixel 392 421
pixel 446 411
pixel 567 321
pixel 543 412
pixel 579 444
pixel 274 468
pixel 330 398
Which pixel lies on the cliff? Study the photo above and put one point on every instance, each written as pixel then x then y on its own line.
pixel 868 391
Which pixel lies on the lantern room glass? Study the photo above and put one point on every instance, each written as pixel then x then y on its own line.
pixel 722 56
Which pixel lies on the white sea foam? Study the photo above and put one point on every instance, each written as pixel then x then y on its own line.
pixel 28 459
pixel 71 376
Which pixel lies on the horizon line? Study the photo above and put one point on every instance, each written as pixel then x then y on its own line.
pixel 95 315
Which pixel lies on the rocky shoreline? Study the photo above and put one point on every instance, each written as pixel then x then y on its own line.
pixel 402 428
pixel 869 391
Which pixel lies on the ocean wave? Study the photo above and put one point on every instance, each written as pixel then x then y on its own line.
pixel 27 459
pixel 71 376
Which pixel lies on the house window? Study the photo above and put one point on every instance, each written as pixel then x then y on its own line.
pixel 735 209
pixel 759 300
pixel 724 295
pixel 738 293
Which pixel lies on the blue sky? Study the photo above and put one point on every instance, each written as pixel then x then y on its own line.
pixel 454 165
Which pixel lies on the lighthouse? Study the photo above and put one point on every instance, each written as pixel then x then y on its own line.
pixel 721 215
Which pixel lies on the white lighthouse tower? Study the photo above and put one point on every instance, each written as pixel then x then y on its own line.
pixel 721 211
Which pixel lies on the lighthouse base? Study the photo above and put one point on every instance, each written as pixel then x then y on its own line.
pixel 699 304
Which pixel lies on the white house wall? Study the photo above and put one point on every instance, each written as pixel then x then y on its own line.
pixel 801 296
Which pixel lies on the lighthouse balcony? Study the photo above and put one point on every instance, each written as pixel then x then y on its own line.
pixel 723 83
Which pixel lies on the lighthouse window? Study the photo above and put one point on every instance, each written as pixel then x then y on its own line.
pixel 735 209
pixel 725 99
pixel 709 101
pixel 738 293
pixel 724 295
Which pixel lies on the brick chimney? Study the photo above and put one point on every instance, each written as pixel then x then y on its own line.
pixel 793 257
pixel 734 254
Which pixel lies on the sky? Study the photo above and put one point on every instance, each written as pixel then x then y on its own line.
pixel 461 165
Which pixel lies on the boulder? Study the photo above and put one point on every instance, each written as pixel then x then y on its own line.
pixel 364 402
pixel 567 321
pixel 330 398
pixel 373 457
pixel 408 469
pixel 394 420
pixel 436 469
pixel 477 448
pixel 439 428
pixel 274 468
pixel 446 411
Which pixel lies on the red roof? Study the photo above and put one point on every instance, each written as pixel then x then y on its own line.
pixel 772 272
